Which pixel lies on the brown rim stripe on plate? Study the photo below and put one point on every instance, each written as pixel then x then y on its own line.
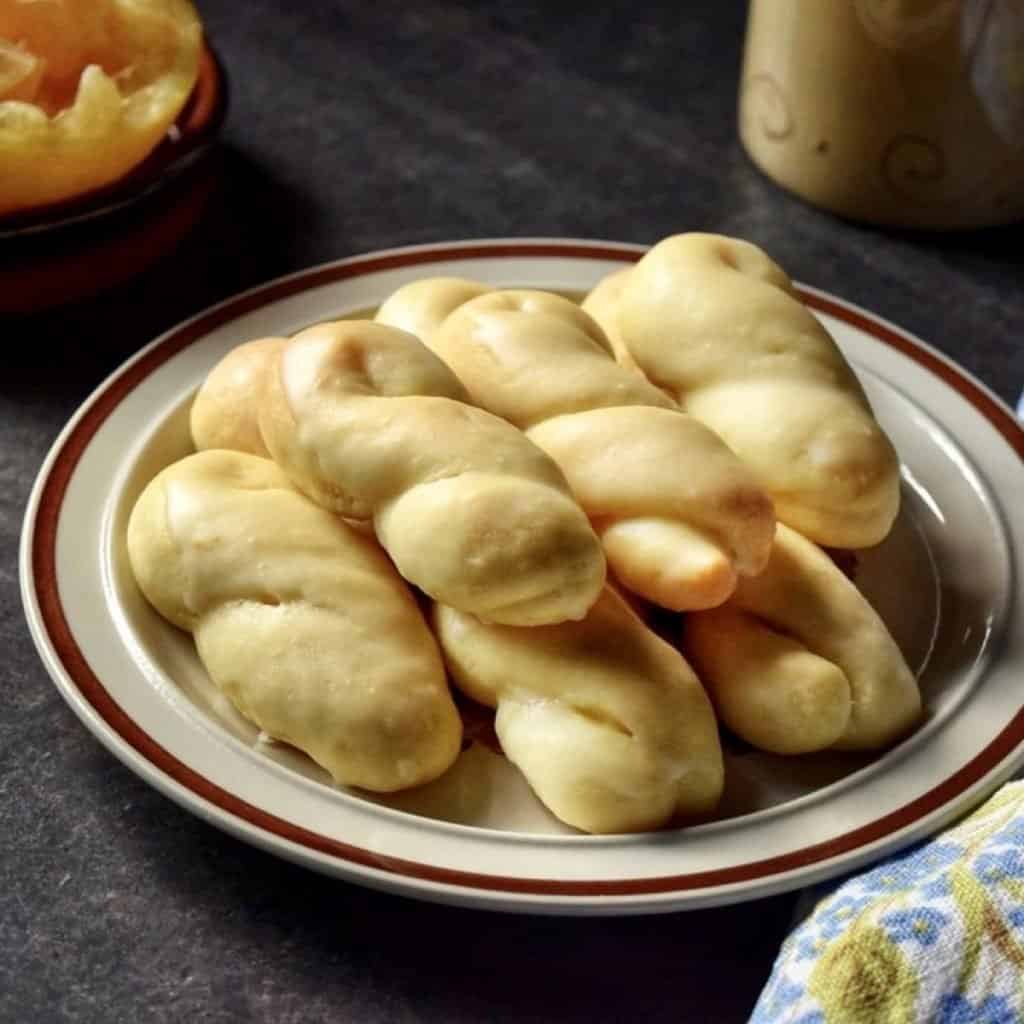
pixel 996 415
pixel 92 690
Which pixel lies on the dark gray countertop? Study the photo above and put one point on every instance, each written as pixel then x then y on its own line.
pixel 356 126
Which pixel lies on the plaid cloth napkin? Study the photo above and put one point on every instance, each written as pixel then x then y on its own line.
pixel 934 935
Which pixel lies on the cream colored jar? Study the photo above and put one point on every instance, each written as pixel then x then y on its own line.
pixel 902 112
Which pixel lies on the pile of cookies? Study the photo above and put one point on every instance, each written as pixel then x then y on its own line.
pixel 495 488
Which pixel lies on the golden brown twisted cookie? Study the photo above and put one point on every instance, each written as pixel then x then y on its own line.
pixel 718 325
pixel 301 621
pixel 797 660
pixel 679 515
pixel 602 303
pixel 369 423
pixel 606 721
pixel 225 411
pixel 420 307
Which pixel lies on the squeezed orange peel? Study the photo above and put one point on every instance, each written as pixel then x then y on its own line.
pixel 88 88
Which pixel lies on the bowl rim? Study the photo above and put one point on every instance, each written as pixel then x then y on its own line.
pixel 188 139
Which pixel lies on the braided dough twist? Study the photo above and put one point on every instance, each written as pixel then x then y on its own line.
pixel 607 722
pixel 718 325
pixel 679 515
pixel 301 621
pixel 797 660
pixel 420 307
pixel 225 411
pixel 602 303
pixel 369 423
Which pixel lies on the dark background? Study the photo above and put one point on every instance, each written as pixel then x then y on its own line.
pixel 352 127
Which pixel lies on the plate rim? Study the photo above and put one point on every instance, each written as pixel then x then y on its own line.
pixel 128 741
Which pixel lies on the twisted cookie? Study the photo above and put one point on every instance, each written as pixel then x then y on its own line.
pixel 225 411
pixel 420 307
pixel 797 660
pixel 679 516
pixel 606 721
pixel 602 303
pixel 717 324
pixel 370 424
pixel 302 622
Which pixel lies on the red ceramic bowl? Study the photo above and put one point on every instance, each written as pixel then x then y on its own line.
pixel 64 251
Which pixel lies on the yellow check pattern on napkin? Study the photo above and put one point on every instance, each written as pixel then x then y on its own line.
pixel 935 934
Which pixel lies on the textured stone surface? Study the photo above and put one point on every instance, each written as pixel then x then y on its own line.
pixel 353 127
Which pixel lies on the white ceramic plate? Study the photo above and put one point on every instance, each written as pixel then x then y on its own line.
pixel 948 582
